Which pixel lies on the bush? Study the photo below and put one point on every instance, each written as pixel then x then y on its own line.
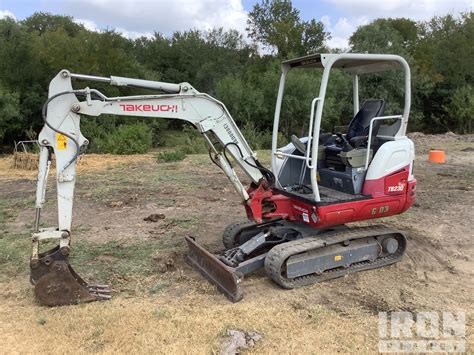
pixel 258 139
pixel 96 131
pixel 188 140
pixel 168 157
pixel 461 109
pixel 126 139
pixel 193 141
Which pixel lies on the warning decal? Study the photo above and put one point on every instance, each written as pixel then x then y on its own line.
pixel 61 140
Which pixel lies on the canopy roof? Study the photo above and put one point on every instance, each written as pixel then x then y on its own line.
pixel 352 62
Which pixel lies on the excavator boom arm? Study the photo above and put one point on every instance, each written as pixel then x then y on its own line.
pixel 62 136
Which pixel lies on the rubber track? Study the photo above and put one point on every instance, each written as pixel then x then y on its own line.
pixel 228 237
pixel 236 228
pixel 277 256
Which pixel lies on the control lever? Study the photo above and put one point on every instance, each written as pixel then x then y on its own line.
pixel 346 146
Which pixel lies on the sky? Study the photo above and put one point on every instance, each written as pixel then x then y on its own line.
pixel 134 18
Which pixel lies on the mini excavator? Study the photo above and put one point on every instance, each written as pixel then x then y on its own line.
pixel 297 210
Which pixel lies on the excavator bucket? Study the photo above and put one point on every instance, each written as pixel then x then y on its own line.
pixel 57 284
pixel 227 279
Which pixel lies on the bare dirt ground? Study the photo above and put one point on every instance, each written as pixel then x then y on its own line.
pixel 161 305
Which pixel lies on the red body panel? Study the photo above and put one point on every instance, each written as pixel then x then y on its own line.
pixel 393 184
pixel 391 195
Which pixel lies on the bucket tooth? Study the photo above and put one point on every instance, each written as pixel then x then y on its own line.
pixel 57 284
pixel 227 280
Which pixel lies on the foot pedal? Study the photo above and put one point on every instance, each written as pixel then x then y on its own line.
pixel 227 280
pixel 57 284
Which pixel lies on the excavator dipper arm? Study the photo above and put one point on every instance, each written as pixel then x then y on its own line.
pixel 55 281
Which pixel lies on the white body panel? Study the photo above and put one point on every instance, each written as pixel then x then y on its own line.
pixel 391 157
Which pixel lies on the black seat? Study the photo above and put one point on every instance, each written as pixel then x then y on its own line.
pixel 357 132
pixel 359 125
pixel 358 129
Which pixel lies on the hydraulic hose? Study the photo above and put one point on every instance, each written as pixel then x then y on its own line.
pixel 44 113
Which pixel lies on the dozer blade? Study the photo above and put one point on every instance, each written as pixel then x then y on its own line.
pixel 57 284
pixel 227 280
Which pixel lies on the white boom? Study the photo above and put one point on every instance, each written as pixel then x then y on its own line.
pixel 62 135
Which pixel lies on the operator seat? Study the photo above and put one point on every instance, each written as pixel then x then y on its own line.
pixel 359 125
pixel 357 133
pixel 358 130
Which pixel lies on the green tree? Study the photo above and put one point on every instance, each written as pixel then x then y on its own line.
pixel 444 55
pixel 244 101
pixel 385 36
pixel 9 112
pixel 277 25
pixel 41 23
pixel 393 36
pixel 461 109
pixel 223 64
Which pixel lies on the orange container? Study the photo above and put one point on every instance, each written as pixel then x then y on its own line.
pixel 437 156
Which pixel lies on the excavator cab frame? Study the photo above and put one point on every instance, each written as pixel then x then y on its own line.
pixel 356 64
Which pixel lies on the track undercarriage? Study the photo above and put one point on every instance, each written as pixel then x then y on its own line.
pixel 295 255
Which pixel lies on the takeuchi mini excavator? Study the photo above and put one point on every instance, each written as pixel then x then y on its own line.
pixel 297 210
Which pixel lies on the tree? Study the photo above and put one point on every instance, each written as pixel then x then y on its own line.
pixel 9 112
pixel 396 36
pixel 461 109
pixel 445 49
pixel 223 64
pixel 444 55
pixel 277 25
pixel 385 36
pixel 41 22
pixel 243 100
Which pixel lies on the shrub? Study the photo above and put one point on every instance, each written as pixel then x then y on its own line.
pixel 168 157
pixel 189 140
pixel 461 109
pixel 127 139
pixel 193 141
pixel 258 139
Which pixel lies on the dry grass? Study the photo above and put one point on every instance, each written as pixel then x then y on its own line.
pixel 25 165
pixel 24 161
pixel 194 323
pixel 178 311
pixel 186 319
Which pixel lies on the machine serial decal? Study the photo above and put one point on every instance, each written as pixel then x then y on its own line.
pixel 149 108
pixel 382 209
pixel 230 133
